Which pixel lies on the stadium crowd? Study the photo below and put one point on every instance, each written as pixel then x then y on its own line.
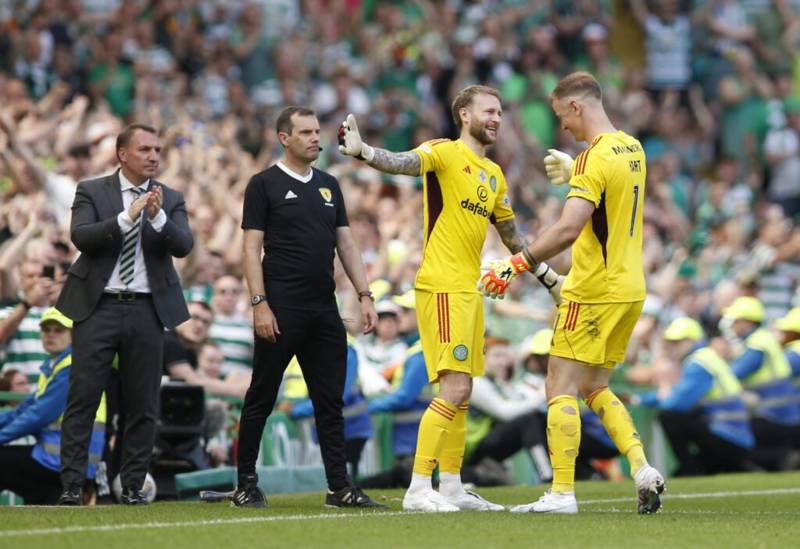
pixel 711 89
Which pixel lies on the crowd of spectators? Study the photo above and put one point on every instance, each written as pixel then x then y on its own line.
pixel 712 90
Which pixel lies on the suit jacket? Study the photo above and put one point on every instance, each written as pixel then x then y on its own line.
pixel 95 232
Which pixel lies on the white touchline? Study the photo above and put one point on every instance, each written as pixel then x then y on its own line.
pixel 246 520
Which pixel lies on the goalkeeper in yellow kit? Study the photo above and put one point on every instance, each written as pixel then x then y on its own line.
pixel 463 192
pixel 602 296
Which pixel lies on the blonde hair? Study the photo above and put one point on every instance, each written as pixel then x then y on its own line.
pixel 577 83
pixel 464 99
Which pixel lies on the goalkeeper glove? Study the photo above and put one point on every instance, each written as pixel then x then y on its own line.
pixel 558 166
pixel 501 272
pixel 550 280
pixel 350 142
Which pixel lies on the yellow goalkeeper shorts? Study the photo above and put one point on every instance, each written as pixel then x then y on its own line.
pixel 451 332
pixel 594 333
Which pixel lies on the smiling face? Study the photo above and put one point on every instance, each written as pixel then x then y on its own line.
pixel 482 117
pixel 569 111
pixel 302 140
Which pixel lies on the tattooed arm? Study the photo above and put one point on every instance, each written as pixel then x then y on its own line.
pixel 510 236
pixel 515 242
pixel 406 163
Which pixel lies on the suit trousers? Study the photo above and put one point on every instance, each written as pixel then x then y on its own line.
pixel 132 331
pixel 319 341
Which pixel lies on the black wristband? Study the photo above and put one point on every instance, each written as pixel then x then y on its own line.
pixel 26 304
pixel 529 258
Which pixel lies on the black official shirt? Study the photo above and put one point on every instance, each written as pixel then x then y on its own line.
pixel 299 220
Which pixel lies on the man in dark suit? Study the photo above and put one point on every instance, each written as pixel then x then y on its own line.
pixel 121 293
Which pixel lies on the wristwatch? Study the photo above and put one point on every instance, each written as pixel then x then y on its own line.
pixel 256 299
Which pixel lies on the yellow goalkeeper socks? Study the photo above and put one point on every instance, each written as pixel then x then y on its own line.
pixel 453 450
pixel 564 440
pixel 436 424
pixel 618 423
pixel 453 454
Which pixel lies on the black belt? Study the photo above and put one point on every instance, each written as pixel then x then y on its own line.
pixel 127 296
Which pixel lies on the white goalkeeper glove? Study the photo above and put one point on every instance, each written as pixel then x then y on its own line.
pixel 558 166
pixel 550 280
pixel 350 142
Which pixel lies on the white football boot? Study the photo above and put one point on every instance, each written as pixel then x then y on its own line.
pixel 428 501
pixel 468 500
pixel 649 487
pixel 551 502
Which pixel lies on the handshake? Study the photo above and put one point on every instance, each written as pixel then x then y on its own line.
pixel 501 272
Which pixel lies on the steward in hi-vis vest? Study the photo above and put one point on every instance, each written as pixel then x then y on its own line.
pixel 34 475
pixel 705 407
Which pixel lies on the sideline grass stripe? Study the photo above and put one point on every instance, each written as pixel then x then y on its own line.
pixel 187 523
pixel 667 496
pixel 288 518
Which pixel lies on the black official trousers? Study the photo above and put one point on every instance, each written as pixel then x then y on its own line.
pixel 132 330
pixel 319 340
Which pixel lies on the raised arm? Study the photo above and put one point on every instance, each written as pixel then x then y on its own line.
pixel 640 12
pixel 351 144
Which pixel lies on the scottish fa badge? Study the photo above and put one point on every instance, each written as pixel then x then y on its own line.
pixel 482 176
pixel 460 352
pixel 493 183
pixel 326 193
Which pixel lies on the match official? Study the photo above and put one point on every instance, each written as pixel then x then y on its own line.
pixel 296 213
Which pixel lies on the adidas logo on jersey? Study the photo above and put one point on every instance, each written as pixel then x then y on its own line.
pixel 290 194
pixel 474 207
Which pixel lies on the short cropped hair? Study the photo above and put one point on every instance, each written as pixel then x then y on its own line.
pixel 577 83
pixel 284 121
pixel 465 97
pixel 125 135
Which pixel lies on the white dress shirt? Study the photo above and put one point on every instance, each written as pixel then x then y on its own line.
pixel 140 282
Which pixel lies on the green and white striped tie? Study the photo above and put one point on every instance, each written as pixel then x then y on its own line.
pixel 127 257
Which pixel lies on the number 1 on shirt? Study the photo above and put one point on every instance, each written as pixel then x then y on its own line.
pixel 635 204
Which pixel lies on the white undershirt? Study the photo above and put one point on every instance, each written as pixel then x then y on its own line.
pixel 139 282
pixel 293 174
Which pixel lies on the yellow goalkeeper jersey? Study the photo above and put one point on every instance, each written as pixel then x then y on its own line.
pixel 607 256
pixel 462 194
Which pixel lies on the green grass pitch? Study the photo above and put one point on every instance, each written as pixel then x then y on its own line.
pixel 754 510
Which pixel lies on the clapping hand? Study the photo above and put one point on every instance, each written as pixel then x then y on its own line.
pixel 136 207
pixel 155 199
